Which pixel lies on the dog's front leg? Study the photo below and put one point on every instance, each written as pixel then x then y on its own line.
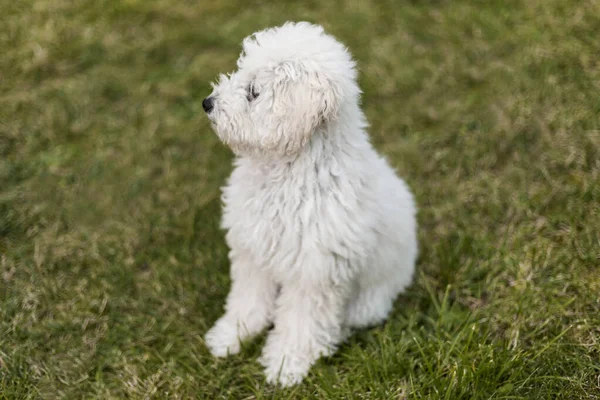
pixel 308 324
pixel 248 310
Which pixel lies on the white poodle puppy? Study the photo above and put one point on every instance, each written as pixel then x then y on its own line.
pixel 322 232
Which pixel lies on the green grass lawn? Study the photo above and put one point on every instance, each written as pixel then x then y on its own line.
pixel 112 262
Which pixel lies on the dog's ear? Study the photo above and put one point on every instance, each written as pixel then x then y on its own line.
pixel 303 98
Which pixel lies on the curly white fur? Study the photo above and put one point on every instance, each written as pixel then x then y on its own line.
pixel 321 230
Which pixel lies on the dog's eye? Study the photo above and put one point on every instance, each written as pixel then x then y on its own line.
pixel 252 93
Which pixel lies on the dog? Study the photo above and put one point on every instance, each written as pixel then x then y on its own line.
pixel 321 231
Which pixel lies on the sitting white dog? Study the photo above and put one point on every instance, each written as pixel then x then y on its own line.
pixel 321 230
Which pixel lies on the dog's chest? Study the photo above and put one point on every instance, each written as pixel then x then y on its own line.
pixel 274 215
pixel 283 216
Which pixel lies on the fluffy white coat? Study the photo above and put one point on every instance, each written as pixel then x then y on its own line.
pixel 322 232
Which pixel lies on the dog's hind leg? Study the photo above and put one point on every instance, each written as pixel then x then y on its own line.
pixel 371 306
pixel 376 292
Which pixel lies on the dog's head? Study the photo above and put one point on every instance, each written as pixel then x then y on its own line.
pixel 290 80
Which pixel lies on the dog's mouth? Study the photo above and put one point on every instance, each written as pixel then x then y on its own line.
pixel 211 118
pixel 215 116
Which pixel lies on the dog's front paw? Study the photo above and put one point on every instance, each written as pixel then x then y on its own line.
pixel 222 339
pixel 284 367
pixel 286 370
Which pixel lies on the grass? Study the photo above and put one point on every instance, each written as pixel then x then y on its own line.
pixel 112 262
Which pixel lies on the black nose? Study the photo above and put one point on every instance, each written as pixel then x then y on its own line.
pixel 208 104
